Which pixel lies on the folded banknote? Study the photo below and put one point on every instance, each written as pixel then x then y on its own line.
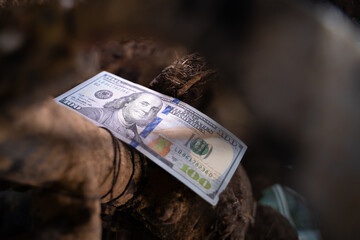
pixel 186 143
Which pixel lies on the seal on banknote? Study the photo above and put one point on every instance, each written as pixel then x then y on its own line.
pixel 201 147
pixel 103 94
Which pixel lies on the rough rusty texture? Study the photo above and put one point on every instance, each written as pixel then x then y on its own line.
pixel 187 79
pixel 170 210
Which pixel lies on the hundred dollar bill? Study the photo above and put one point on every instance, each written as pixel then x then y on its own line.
pixel 186 143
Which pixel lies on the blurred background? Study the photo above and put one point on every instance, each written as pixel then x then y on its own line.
pixel 287 85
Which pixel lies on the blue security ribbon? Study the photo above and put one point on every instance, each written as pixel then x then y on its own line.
pixel 151 126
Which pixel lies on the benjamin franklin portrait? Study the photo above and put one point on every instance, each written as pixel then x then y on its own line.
pixel 124 114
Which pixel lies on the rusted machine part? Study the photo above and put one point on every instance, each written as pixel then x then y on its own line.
pixel 188 79
pixel 165 206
